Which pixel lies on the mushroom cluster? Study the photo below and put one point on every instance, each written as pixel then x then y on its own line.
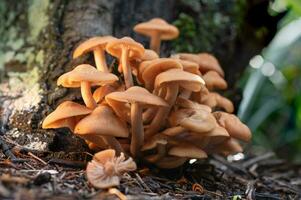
pixel 163 111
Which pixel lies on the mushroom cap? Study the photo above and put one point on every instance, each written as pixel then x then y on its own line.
pixel 190 66
pixel 91 44
pixel 157 26
pixel 157 66
pixel 104 156
pixel 64 115
pixel 136 50
pixel 206 62
pixel 233 125
pixel 214 80
pixel 187 151
pixel 102 121
pixel 217 135
pixel 154 142
pixel 214 99
pixel 171 162
pixel 87 73
pixel 173 131
pixel 186 80
pixel 136 94
pixel 199 121
pixel 100 93
pixel 186 103
pixel 149 54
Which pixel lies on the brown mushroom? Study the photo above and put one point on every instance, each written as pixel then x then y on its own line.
pixel 233 125
pixel 124 48
pixel 85 76
pixel 207 62
pixel 187 151
pixel 105 169
pixel 214 100
pixel 65 115
pixel 100 125
pixel 172 80
pixel 214 80
pixel 138 97
pixel 170 162
pixel 157 29
pixel 97 45
pixel 186 103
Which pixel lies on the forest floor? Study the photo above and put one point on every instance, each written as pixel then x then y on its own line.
pixel 46 175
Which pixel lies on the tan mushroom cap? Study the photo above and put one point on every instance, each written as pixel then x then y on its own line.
pixel 157 66
pixel 173 131
pixel 233 125
pixel 206 62
pixel 136 94
pixel 102 121
pixel 186 103
pixel 187 151
pixel 64 115
pixel 171 162
pixel 186 80
pixel 100 93
pixel 154 142
pixel 199 121
pixel 191 67
pixel 157 25
pixel 214 80
pixel 214 99
pixel 91 44
pixel 86 73
pixel 136 50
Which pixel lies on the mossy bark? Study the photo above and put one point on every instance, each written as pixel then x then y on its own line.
pixel 38 37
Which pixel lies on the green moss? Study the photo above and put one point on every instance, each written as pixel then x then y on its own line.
pixel 37 17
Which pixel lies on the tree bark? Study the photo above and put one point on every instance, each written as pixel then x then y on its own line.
pixel 38 38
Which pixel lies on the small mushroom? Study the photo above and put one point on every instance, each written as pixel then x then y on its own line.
pixel 233 125
pixel 123 49
pixel 214 100
pixel 172 80
pixel 157 29
pixel 65 115
pixel 153 68
pixel 138 97
pixel 214 80
pixel 170 162
pixel 97 45
pixel 186 103
pixel 199 121
pixel 105 169
pixel 207 62
pixel 187 151
pixel 85 76
pixel 229 146
pixel 102 124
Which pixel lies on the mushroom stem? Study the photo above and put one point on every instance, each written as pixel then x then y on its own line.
pixel 161 115
pixel 128 79
pixel 100 60
pixel 149 114
pixel 85 89
pixel 137 129
pixel 113 143
pixel 185 94
pixel 155 43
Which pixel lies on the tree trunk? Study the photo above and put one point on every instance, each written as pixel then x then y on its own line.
pixel 38 37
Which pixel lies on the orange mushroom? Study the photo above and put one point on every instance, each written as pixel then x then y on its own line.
pixel 97 45
pixel 233 125
pixel 102 125
pixel 214 80
pixel 85 76
pixel 123 49
pixel 65 115
pixel 157 29
pixel 214 100
pixel 105 169
pixel 138 97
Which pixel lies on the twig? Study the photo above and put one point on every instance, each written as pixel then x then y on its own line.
pixel 143 183
pixel 37 158
pixel 257 159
